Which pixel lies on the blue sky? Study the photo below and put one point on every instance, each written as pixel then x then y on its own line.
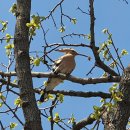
pixel 111 14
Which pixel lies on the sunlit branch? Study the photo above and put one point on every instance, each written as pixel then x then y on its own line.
pixel 71 78
pixel 81 124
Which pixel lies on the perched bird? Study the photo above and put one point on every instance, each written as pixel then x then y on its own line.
pixel 65 65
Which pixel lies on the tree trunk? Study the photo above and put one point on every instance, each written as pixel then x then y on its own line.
pixel 21 51
pixel 117 119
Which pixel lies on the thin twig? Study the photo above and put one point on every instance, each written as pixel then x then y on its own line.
pixel 82 11
pixel 13 113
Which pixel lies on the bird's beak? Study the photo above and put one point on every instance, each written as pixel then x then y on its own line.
pixel 89 58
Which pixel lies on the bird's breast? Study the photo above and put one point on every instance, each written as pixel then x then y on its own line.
pixel 67 66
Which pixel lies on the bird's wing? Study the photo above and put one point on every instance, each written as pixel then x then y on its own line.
pixel 52 82
pixel 57 63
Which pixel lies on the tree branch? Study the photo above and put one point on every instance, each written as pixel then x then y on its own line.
pixel 81 124
pixel 57 5
pixel 71 78
pixel 67 93
pixel 98 61
pixel 82 94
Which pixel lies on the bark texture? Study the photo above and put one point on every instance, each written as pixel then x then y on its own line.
pixel 21 51
pixel 117 119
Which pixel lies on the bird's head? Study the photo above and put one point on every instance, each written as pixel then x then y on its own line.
pixel 68 51
pixel 71 51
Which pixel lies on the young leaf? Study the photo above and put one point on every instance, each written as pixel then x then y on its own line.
pixel 13 9
pixel 124 52
pixel 105 31
pixel 57 118
pixel 36 62
pixel 18 102
pixel 62 29
pixel 12 125
pixel 74 20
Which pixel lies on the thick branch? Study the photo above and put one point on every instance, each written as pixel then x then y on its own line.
pixel 71 78
pixel 82 94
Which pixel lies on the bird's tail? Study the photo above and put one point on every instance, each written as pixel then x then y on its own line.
pixel 43 97
pixel 50 85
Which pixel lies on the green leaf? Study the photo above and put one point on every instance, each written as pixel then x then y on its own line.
pixel 105 53
pixel 115 84
pixel 128 122
pixel 1 104
pixel 13 125
pixel 105 31
pixel 45 83
pixel 72 119
pixel 74 20
pixel 32 31
pixel 13 9
pixel 34 24
pixel 4 25
pixel 96 108
pixel 29 25
pixel 9 46
pixel 35 20
pixel 50 96
pixel 124 52
pixel 60 97
pixel 109 42
pixel 36 62
pixel 62 29
pixel 117 98
pixel 8 52
pixel 15 81
pixel 105 74
pixel 112 89
pixel 57 118
pixel 88 36
pixel 49 118
pixel 92 116
pixel 102 100
pixel 112 65
pixel 109 36
pixel 18 102
pixel 8 37
pixel 2 97
pixel 42 18
pixel 39 103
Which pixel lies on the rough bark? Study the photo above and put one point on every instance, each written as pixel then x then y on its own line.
pixel 117 119
pixel 21 51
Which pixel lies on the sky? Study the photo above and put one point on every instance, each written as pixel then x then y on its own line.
pixel 111 14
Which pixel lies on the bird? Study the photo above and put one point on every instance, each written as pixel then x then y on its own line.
pixel 64 65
